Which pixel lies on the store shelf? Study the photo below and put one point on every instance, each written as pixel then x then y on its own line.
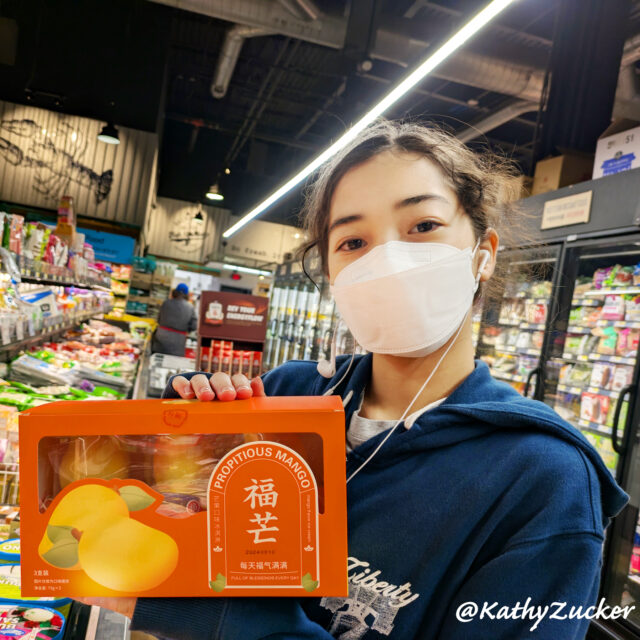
pixel 579 390
pixel 515 350
pixel 585 302
pixel 622 324
pixel 597 357
pixel 524 296
pixel 503 375
pixel 593 427
pixel 43 273
pixel 579 330
pixel 535 326
pixel 634 579
pixel 619 291
pixel 54 329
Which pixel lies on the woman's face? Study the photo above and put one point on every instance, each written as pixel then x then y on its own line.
pixel 396 196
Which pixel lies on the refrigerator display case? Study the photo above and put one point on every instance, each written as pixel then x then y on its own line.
pixel 514 322
pixel 303 317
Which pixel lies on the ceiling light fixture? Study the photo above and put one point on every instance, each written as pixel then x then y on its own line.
pixel 257 272
pixel 436 58
pixel 109 134
pixel 199 218
pixel 214 192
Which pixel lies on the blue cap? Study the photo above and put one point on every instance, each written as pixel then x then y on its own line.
pixel 182 288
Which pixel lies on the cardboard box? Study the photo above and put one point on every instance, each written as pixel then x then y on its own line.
pixel 618 149
pixel 183 498
pixel 562 171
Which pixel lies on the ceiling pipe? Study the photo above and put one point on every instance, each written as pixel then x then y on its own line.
pixel 466 67
pixel 496 119
pixel 304 9
pixel 233 41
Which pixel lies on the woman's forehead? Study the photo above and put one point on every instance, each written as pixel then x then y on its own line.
pixel 386 179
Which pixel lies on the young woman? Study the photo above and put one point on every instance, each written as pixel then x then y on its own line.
pixel 460 490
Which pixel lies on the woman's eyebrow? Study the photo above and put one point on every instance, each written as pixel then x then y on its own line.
pixel 407 202
pixel 344 220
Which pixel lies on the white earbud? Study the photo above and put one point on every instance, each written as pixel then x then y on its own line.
pixel 327 368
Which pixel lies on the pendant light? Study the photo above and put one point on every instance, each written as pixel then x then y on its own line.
pixel 109 134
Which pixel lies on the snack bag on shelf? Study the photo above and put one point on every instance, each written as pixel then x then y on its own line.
pixel 536 312
pixel 536 339
pixel 256 363
pixel 608 340
pixel 636 274
pixel 601 375
pixel 572 345
pixel 580 374
pixel 591 408
pixel 565 373
pixel 582 285
pixel 600 276
pixel 15 234
pixel 623 277
pixel 632 308
pixel 576 315
pixel 622 377
pixel 523 340
pixel 613 308
pixel 627 346
pixel 592 316
pixel 170 498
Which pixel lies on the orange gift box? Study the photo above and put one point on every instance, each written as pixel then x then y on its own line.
pixel 184 498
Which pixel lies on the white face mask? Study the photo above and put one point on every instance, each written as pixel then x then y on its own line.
pixel 407 298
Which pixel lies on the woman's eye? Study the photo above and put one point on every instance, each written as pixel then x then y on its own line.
pixel 351 245
pixel 425 227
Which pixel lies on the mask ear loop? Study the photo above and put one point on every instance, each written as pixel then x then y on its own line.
pixel 426 382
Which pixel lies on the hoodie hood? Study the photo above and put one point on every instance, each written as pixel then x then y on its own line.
pixel 479 405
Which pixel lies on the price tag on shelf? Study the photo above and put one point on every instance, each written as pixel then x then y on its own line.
pixel 584 358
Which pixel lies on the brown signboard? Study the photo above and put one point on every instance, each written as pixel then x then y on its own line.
pixel 233 316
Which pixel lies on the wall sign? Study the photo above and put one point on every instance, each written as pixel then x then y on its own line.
pixel 563 212
pixel 110 247
pixel 233 316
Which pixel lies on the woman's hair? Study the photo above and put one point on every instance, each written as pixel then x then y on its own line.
pixel 485 184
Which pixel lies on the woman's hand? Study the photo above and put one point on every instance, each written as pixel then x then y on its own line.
pixel 220 386
pixel 123 606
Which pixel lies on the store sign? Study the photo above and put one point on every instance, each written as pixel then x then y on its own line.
pixel 233 316
pixel 110 247
pixel 563 212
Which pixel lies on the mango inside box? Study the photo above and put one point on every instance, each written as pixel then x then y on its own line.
pixel 184 498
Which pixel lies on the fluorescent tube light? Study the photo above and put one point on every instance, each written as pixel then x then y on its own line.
pixel 437 57
pixel 258 272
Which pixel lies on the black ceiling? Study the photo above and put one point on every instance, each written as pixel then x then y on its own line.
pixel 286 101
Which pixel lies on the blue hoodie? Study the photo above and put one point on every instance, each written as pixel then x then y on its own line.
pixel 489 497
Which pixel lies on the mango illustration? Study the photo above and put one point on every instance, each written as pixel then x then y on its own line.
pixel 93 457
pixel 219 583
pixel 308 583
pixel 126 555
pixel 85 507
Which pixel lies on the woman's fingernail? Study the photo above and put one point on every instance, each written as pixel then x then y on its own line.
pixel 187 390
pixel 226 389
pixel 244 387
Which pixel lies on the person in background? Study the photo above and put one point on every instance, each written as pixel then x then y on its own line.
pixel 176 319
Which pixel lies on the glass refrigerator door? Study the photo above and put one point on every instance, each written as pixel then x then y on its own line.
pixel 591 363
pixel 512 332
pixel 592 381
